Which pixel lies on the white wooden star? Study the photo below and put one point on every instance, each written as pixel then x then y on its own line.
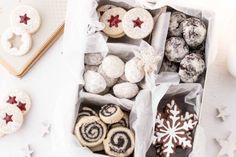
pixel 228 146
pixel 27 151
pixel 46 129
pixel 222 113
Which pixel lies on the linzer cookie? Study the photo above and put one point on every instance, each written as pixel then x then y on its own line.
pixel 111 113
pixel 138 23
pixel 112 19
pixel 102 9
pixel 26 17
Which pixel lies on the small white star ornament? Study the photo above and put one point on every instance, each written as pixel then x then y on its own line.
pixel 46 129
pixel 27 151
pixel 222 113
pixel 228 146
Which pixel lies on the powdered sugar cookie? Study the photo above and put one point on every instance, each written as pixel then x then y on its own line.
pixel 102 9
pixel 16 41
pixel 138 23
pixel 19 99
pixel 110 81
pixel 112 19
pixel 11 119
pixel 26 17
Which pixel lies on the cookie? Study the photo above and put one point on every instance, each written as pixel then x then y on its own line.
pixel 175 26
pixel 20 99
pixel 102 9
pixel 113 66
pixel 86 111
pixel 138 23
pixel 134 70
pixel 26 17
pixel 123 122
pixel 90 131
pixel 191 67
pixel 110 81
pixel 94 82
pixel 194 31
pixel 110 113
pixel 168 66
pixel 93 58
pixel 131 90
pixel 119 142
pixel 112 19
pixel 16 41
pixel 11 119
pixel 175 49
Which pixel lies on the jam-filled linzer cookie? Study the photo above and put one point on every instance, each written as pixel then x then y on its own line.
pixel 26 17
pixel 111 113
pixel 102 9
pixel 138 23
pixel 119 142
pixel 112 19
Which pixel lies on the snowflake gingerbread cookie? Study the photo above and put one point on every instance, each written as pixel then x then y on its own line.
pixel 174 129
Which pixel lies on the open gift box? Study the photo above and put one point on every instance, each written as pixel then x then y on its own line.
pixel 79 38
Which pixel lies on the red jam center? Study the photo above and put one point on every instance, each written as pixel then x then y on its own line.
pixel 24 19
pixel 114 21
pixel 137 23
pixel 8 118
pixel 21 106
pixel 11 100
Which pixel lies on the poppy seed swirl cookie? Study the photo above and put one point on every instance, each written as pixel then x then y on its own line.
pixel 110 114
pixel 90 131
pixel 86 111
pixel 119 142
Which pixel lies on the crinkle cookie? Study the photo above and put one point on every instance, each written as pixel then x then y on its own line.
pixel 175 26
pixel 191 67
pixel 194 31
pixel 175 49
pixel 125 90
pixel 110 81
pixel 93 59
pixel 168 66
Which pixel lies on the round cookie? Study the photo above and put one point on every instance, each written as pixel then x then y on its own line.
pixel 175 26
pixel 113 66
pixel 119 142
pixel 90 131
pixel 26 17
pixel 86 111
pixel 175 49
pixel 11 119
pixel 194 31
pixel 168 66
pixel 191 67
pixel 102 9
pixel 110 81
pixel 112 19
pixel 94 82
pixel 93 58
pixel 131 90
pixel 134 72
pixel 110 114
pixel 138 23
pixel 16 41
pixel 20 99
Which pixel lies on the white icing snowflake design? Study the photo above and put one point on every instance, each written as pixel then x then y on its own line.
pixel 173 129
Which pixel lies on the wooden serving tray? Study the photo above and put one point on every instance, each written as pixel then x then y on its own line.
pixel 52 14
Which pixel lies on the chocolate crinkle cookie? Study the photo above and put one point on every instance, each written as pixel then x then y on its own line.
pixel 175 49
pixel 168 66
pixel 191 67
pixel 194 31
pixel 175 26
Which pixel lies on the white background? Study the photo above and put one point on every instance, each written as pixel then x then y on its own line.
pixel 44 81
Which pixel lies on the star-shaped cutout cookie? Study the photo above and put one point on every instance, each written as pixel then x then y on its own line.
pixel 228 146
pixel 222 113
pixel 27 151
pixel 46 129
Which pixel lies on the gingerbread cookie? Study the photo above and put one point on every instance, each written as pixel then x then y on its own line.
pixel 26 17
pixel 138 23
pixel 110 114
pixel 112 19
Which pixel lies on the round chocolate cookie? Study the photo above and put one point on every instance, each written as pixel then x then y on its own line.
pixel 191 67
pixel 175 26
pixel 194 31
pixel 175 49
pixel 168 66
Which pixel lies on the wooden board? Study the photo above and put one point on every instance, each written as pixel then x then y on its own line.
pixel 52 22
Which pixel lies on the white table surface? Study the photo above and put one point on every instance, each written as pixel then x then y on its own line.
pixel 44 80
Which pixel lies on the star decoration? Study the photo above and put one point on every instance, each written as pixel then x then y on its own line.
pixel 222 113
pixel 137 22
pixel 11 100
pixel 24 19
pixel 27 151
pixel 114 21
pixel 21 106
pixel 8 118
pixel 46 129
pixel 228 146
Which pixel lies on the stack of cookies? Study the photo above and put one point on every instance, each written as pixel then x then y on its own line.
pixel 107 129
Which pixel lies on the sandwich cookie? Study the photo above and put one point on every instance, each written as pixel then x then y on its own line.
pixel 102 9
